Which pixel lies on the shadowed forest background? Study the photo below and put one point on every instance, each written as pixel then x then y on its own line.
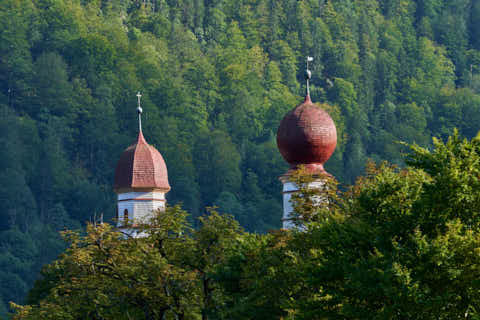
pixel 216 79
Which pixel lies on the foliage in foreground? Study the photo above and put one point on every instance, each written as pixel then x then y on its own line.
pixel 164 276
pixel 400 244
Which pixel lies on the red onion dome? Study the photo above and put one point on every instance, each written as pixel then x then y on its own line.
pixel 141 166
pixel 307 135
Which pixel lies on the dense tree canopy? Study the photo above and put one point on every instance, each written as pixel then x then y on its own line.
pixel 399 244
pixel 216 78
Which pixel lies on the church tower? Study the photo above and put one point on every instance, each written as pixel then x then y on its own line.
pixel 141 182
pixel 306 136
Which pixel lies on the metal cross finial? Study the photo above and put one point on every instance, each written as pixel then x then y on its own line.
pixel 139 95
pixel 308 74
pixel 139 111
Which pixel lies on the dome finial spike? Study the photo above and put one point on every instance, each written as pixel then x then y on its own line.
pixel 308 74
pixel 139 111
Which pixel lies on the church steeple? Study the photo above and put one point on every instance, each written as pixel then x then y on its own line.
pixel 307 137
pixel 141 181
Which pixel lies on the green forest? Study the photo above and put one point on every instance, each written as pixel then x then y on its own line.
pixel 216 76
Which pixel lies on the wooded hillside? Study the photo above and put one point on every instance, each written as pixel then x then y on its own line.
pixel 216 78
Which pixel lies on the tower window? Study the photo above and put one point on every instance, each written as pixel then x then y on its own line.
pixel 125 216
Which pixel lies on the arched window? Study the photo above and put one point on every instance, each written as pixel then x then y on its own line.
pixel 125 216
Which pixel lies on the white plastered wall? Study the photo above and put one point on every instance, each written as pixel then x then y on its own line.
pixel 140 205
pixel 290 188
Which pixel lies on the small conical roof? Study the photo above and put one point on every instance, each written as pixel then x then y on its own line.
pixel 141 166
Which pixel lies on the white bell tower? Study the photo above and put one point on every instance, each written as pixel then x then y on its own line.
pixel 141 182
pixel 306 138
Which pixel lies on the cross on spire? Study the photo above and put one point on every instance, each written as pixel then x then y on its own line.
pixel 139 95
pixel 308 74
pixel 139 111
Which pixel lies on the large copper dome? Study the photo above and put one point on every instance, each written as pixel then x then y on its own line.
pixel 307 135
pixel 141 166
